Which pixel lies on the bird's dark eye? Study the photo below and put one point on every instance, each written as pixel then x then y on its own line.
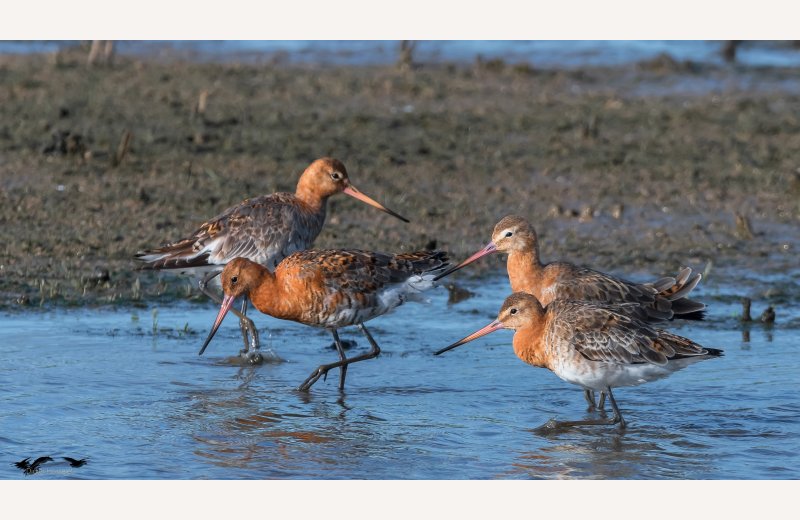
pixel 234 279
pixel 513 311
pixel 508 234
pixel 336 176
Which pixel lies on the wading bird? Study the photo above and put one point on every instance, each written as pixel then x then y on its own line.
pixel 593 345
pixel 263 229
pixel 330 289
pixel 663 299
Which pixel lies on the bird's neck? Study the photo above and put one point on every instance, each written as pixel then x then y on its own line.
pixel 311 196
pixel 265 291
pixel 525 271
pixel 272 296
pixel 529 344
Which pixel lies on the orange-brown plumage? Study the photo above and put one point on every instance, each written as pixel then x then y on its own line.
pixel 316 184
pixel 597 346
pixel 330 289
pixel 663 299
pixel 263 229
pixel 319 287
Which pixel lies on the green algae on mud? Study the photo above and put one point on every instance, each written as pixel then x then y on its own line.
pixel 610 175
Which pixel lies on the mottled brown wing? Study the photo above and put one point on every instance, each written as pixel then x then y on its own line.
pixel 262 229
pixel 346 287
pixel 422 262
pixel 364 272
pixel 581 283
pixel 602 332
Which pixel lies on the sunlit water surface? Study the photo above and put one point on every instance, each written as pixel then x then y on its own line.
pixel 541 53
pixel 101 384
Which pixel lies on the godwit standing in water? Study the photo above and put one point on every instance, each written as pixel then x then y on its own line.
pixel 330 289
pixel 657 301
pixel 594 345
pixel 263 229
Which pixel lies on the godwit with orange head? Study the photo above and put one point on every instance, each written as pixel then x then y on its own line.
pixel 263 229
pixel 330 289
pixel 661 300
pixel 597 346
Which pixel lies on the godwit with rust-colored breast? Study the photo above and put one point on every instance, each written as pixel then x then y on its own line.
pixel 330 289
pixel 263 229
pixel 663 299
pixel 594 345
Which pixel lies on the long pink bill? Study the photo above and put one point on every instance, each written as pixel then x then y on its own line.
pixel 227 302
pixel 353 192
pixel 493 326
pixel 487 250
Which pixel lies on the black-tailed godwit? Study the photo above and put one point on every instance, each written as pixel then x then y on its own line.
pixel 596 346
pixel 661 300
pixel 330 289
pixel 263 229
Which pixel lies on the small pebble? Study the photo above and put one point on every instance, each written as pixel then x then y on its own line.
pixel 347 344
pixel 457 294
pixel 587 214
pixel 555 211
pixel 100 275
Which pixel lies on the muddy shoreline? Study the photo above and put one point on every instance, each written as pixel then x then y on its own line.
pixel 614 173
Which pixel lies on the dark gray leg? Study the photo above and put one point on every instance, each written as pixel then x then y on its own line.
pixel 246 324
pixel 342 357
pixel 251 351
pixel 244 329
pixel 322 370
pixel 588 394
pixel 617 415
pixel 554 425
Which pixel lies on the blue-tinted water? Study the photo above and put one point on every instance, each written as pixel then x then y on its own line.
pixel 100 384
pixel 542 53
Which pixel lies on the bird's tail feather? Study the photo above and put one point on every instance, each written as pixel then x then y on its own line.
pixel 672 295
pixel 180 255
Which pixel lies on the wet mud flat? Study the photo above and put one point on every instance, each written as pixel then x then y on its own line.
pixel 636 169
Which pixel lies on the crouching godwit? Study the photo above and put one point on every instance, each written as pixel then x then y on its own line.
pixel 330 289
pixel 593 345
pixel 661 300
pixel 263 229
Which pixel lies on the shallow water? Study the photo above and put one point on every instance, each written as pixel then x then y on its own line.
pixel 100 384
pixel 541 53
